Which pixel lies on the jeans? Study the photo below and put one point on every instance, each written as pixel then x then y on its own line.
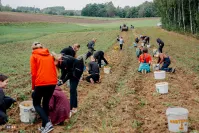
pixel 165 67
pixel 73 92
pixel 46 93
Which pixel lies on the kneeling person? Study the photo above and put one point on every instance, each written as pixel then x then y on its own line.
pixel 145 61
pixel 166 61
pixel 5 101
pixel 94 71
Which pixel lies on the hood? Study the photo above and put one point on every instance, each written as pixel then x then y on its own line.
pixel 41 51
pixel 57 88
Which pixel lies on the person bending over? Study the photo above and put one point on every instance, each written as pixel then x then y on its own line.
pixel 99 56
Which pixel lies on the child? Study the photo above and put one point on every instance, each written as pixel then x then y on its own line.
pixel 121 42
pixel 5 101
pixel 94 71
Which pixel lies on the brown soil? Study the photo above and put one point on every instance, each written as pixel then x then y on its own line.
pixel 26 17
pixel 126 101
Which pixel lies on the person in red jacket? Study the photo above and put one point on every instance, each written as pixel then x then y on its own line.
pixel 44 80
pixel 59 107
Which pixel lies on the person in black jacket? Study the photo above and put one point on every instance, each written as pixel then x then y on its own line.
pixel 71 50
pixel 94 71
pixel 5 101
pixel 161 44
pixel 71 69
pixel 91 48
pixel 99 56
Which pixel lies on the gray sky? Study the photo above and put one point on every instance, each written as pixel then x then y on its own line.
pixel 68 4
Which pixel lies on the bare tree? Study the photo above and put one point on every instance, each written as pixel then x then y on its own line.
pixel 191 25
pixel 183 15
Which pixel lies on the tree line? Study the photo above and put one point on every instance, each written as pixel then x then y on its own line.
pixel 57 10
pixel 179 15
pixel 147 9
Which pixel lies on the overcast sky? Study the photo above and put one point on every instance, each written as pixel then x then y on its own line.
pixel 68 4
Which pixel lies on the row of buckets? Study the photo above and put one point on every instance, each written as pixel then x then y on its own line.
pixel 177 117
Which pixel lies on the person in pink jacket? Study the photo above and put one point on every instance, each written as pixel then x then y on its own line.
pixel 59 107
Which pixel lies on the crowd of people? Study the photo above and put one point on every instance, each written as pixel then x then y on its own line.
pixel 145 58
pixel 49 100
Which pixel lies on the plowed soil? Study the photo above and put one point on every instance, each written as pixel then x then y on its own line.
pixel 126 101
pixel 26 17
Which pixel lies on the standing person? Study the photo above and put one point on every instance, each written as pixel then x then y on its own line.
pixel 72 51
pixel 5 101
pixel 161 44
pixel 94 71
pixel 121 42
pixel 99 56
pixel 59 107
pixel 145 61
pixel 91 46
pixel 165 61
pixel 72 69
pixel 44 80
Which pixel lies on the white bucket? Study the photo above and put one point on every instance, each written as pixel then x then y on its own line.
pixel 27 112
pixel 162 87
pixel 160 74
pixel 155 67
pixel 177 119
pixel 107 70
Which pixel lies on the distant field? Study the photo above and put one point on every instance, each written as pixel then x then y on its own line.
pixel 26 17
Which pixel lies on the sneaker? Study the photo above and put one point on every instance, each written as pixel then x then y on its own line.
pixel 41 129
pixel 173 70
pixel 48 128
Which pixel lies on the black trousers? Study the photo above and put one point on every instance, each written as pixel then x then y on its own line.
pixel 73 92
pixel 99 58
pixel 121 45
pixel 95 77
pixel 89 53
pixel 160 49
pixel 46 93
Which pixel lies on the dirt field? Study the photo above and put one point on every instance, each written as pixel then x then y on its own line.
pixel 126 101
pixel 25 17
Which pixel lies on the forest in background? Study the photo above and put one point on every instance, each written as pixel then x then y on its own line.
pixel 179 15
pixel 146 9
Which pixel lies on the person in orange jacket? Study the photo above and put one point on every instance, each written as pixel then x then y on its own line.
pixel 44 80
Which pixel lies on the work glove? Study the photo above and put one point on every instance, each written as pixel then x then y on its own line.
pixel 60 82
